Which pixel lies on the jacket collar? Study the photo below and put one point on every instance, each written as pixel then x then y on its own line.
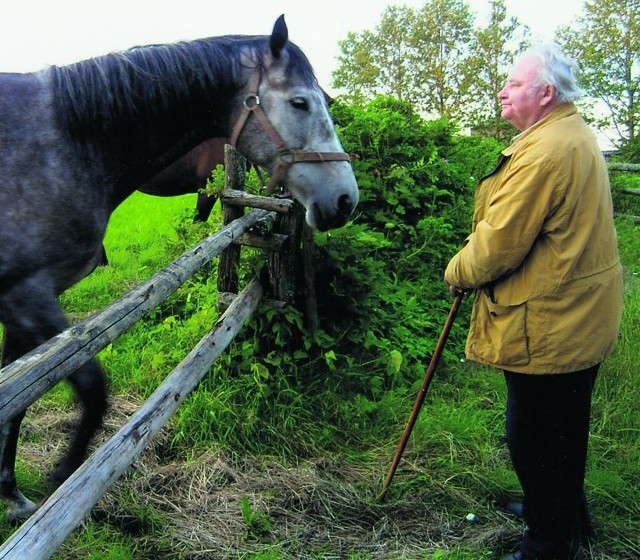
pixel 560 112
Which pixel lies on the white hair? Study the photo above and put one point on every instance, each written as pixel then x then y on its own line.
pixel 558 70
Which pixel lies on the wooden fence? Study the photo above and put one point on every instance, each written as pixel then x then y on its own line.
pixel 25 380
pixel 629 168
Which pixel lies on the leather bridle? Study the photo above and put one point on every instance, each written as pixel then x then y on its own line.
pixel 286 157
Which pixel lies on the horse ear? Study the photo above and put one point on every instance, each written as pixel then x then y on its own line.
pixel 279 37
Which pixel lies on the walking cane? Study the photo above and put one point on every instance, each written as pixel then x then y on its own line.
pixel 423 389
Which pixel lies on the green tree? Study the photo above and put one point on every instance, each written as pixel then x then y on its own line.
pixel 440 42
pixel 493 50
pixel 357 73
pixel 377 63
pixel 393 52
pixel 606 41
pixel 417 56
pixel 433 58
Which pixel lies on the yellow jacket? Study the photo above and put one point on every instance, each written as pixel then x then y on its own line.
pixel 543 253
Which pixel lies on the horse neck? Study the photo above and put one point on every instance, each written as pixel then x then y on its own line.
pixel 140 111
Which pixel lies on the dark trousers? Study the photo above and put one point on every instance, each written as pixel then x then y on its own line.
pixel 547 435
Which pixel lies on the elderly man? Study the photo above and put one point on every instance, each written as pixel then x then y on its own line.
pixel 543 259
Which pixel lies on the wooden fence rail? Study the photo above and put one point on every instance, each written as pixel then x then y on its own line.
pixel 632 167
pixel 628 168
pixel 47 528
pixel 24 381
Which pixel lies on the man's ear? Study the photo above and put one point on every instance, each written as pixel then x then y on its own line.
pixel 548 94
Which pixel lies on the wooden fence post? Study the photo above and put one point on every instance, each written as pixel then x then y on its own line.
pixel 284 265
pixel 235 171
pixel 287 240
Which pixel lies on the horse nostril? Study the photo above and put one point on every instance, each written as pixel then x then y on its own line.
pixel 345 205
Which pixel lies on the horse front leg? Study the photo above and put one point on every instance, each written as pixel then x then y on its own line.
pixel 19 506
pixel 35 317
pixel 90 386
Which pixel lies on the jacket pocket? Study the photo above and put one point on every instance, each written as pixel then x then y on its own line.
pixel 501 332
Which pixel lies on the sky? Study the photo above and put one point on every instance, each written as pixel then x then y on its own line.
pixel 38 33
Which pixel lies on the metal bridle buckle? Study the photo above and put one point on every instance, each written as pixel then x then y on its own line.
pixel 251 101
pixel 287 156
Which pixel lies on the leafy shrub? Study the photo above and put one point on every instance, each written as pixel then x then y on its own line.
pixel 382 301
pixel 630 152
pixel 417 179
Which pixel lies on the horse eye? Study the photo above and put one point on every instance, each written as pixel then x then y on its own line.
pixel 299 103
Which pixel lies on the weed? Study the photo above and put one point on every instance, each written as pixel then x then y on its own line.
pixel 257 522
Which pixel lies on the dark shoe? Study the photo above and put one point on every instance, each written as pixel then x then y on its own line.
pixel 514 556
pixel 516 509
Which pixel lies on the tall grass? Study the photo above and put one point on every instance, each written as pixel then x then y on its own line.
pixel 262 401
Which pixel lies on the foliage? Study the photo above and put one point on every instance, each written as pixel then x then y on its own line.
pixel 439 39
pixel 258 522
pixel 415 55
pixel 606 41
pixel 434 58
pixel 630 151
pixel 384 282
pixel 346 390
pixel 377 63
pixel 492 50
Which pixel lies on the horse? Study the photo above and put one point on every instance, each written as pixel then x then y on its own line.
pixel 86 135
pixel 189 174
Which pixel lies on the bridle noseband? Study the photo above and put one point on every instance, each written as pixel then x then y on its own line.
pixel 286 156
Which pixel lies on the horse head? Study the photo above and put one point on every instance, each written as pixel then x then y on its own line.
pixel 285 126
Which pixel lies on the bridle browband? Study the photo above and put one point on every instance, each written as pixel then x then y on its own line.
pixel 286 157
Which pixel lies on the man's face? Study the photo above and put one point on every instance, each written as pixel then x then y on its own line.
pixel 523 102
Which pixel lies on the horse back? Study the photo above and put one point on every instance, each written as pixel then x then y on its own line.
pixel 46 202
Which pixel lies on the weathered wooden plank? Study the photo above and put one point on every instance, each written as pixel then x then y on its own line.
pixel 22 382
pixel 283 264
pixel 47 528
pixel 635 192
pixel 632 167
pixel 630 217
pixel 235 171
pixel 273 242
pixel 234 197
pixel 225 299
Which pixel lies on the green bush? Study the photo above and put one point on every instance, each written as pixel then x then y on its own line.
pixel 417 180
pixel 382 302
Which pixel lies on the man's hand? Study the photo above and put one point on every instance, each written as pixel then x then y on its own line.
pixel 455 291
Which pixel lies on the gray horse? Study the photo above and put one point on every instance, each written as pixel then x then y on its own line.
pixel 83 137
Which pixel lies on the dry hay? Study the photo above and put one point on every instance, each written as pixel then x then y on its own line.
pixel 326 506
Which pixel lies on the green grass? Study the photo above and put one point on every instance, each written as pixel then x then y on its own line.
pixel 142 237
pixel 260 402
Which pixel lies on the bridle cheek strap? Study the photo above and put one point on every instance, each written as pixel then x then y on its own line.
pixel 286 157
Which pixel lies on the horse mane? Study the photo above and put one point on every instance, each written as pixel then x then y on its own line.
pixel 93 94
